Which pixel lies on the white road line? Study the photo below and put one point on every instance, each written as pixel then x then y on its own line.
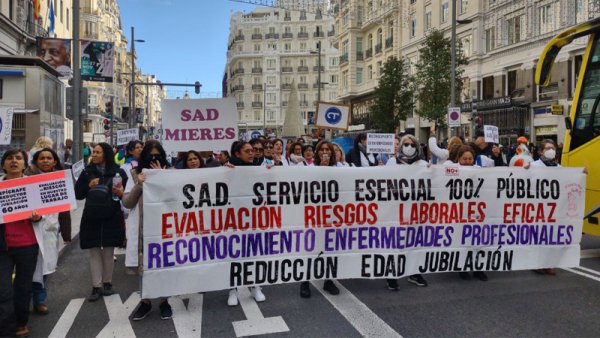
pixel 588 270
pixel 256 323
pixel 590 253
pixel 583 274
pixel 188 322
pixel 67 318
pixel 365 321
pixel 118 314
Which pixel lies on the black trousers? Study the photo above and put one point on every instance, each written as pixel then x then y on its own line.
pixel 14 301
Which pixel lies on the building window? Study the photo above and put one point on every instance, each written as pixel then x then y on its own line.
pixel 515 29
pixel 92 100
pixel 359 75
pixel 68 19
pixel 379 68
pixel 345 79
pixel 287 46
pixel 546 17
pixel 370 72
pixel 490 39
pixel 271 64
pixel 257 47
pixel 511 82
pixel 444 12
pixel 413 26
pixel 333 61
pixel 464 4
pixel 270 115
pixel 581 9
pixel 427 17
pixel 333 79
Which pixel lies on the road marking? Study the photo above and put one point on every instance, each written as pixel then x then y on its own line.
pixel 118 314
pixel 67 318
pixel 588 270
pixel 256 323
pixel 590 253
pixel 365 321
pixel 188 322
pixel 583 274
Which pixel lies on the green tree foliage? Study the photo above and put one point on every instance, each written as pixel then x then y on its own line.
pixel 433 76
pixel 393 95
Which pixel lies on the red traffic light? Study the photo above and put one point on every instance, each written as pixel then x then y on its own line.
pixel 106 121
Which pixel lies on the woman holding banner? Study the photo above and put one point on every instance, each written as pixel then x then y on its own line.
pixel 102 219
pixel 18 252
pixel 340 157
pixel 153 156
pixel 410 154
pixel 46 161
pixel 279 153
pixel 133 149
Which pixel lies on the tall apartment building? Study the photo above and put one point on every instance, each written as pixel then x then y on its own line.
pixel 502 40
pixel 271 49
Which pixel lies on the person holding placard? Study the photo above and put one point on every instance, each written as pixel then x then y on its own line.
pixel 358 156
pixel 19 250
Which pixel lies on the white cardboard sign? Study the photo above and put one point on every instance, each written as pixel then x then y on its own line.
pixel 380 143
pixel 126 135
pixel 491 134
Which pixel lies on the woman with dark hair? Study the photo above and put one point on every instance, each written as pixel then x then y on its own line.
pixel 192 160
pixel 279 156
pixel 18 252
pixel 296 154
pixel 224 157
pixel 46 161
pixel 101 222
pixel 358 156
pixel 308 153
pixel 152 157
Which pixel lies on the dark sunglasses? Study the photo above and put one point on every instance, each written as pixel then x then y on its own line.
pixel 268 147
pixel 409 145
pixel 258 149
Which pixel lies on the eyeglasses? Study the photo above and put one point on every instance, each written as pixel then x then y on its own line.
pixel 409 145
pixel 258 149
pixel 268 147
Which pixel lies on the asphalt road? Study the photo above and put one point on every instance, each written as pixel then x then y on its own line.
pixel 510 304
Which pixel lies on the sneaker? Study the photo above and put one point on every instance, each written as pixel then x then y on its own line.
pixel 96 294
pixel 550 271
pixel 417 280
pixel 22 331
pixel 464 275
pixel 165 310
pixel 233 298
pixel 480 275
pixel 392 284
pixel 41 309
pixel 107 289
pixel 304 290
pixel 258 295
pixel 142 311
pixel 331 288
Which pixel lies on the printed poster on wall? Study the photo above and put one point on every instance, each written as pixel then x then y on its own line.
pixel 244 226
pixel 199 124
pixel 56 53
pixel 97 61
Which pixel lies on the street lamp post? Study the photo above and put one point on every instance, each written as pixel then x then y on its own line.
pixel 77 125
pixel 131 92
pixel 318 52
pixel 453 57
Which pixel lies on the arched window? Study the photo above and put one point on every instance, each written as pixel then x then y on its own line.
pixel 379 36
pixel 370 42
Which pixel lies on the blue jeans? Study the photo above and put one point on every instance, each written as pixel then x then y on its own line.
pixel 40 292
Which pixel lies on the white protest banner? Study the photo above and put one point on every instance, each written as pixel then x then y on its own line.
pixel 77 169
pixel 454 117
pixel 380 143
pixel 491 134
pixel 126 135
pixel 99 138
pixel 332 116
pixel 6 116
pixel 252 225
pixel 46 194
pixel 199 124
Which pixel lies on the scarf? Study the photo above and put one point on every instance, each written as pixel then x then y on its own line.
pixel 548 163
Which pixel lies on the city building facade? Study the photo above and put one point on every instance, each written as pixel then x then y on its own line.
pixel 270 50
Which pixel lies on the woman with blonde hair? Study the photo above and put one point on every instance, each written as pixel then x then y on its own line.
pixel 340 157
pixel 444 155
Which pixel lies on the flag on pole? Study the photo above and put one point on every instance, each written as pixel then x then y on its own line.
pixel 51 24
pixel 36 9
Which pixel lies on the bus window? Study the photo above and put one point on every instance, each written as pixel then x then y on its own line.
pixel 586 125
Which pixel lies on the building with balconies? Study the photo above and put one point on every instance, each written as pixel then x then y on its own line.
pixel 260 72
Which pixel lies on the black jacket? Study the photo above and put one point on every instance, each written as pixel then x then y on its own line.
pixel 95 232
pixel 353 157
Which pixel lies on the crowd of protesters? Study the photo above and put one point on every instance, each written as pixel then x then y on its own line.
pixel 112 184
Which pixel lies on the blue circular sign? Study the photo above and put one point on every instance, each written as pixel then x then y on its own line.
pixel 333 115
pixel 255 134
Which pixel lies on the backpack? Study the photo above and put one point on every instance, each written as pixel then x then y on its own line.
pixel 99 201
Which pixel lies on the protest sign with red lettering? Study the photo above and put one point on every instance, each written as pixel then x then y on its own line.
pixel 221 228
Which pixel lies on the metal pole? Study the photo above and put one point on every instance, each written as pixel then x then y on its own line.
pixel 264 107
pixel 77 128
pixel 319 72
pixel 112 120
pixel 147 115
pixel 132 86
pixel 453 60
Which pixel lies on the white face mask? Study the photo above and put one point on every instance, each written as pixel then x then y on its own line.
pixel 408 150
pixel 550 154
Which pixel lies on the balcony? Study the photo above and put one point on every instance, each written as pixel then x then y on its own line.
pixel 319 34
pixel 344 58
pixel 284 103
pixel 303 35
pixel 287 35
pixel 316 68
pixel 287 69
pixel 303 103
pixel 359 56
pixel 316 85
pixel 389 43
pixel 238 38
pixel 272 36
pixel 286 86
pixel 237 88
pixel 369 53
pixel 378 48
pixel 302 85
pixel 237 71
pixel 240 105
pixel 89 35
pixel 256 36
pixel 257 104
pixel 302 69
pixel 331 33
pixel 257 87
pixel 89 10
pixel 257 70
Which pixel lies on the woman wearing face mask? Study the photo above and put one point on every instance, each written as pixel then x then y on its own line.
pixel 410 154
pixel 547 155
pixel 46 161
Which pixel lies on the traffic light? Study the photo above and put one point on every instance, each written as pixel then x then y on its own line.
pixel 197 86
pixel 109 107
pixel 106 124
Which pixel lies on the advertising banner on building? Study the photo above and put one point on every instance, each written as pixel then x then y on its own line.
pixel 57 53
pixel 199 124
pixel 332 116
pixel 6 117
pixel 45 194
pixel 97 61
pixel 233 227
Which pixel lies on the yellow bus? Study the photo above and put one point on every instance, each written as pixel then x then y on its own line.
pixel 581 147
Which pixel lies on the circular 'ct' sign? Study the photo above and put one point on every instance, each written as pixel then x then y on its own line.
pixel 255 134
pixel 333 115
